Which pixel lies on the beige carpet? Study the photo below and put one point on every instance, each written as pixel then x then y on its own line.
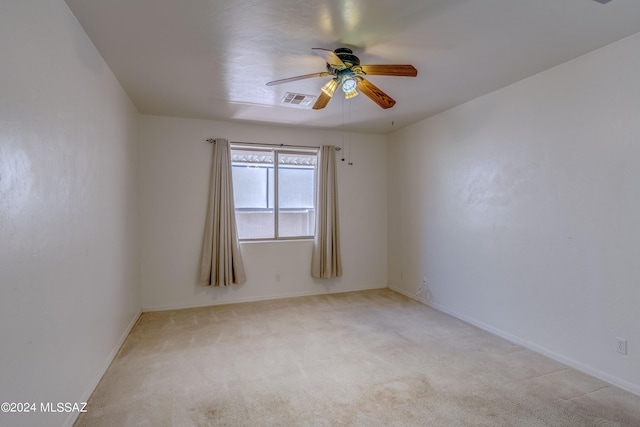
pixel 372 358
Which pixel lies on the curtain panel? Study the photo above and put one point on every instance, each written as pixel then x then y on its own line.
pixel 221 263
pixel 326 261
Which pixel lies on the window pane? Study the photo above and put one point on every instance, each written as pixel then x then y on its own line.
pixel 296 194
pixel 253 193
pixel 250 186
pixel 296 187
pixel 255 224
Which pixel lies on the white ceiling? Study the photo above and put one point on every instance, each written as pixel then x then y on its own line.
pixel 211 58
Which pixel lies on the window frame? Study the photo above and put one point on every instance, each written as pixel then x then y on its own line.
pixel 277 151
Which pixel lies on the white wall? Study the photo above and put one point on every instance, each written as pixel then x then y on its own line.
pixel 522 207
pixel 68 248
pixel 175 168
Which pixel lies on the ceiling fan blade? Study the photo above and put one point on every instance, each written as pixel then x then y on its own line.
pixel 330 58
pixel 376 95
pixel 322 101
pixel 390 70
pixel 293 79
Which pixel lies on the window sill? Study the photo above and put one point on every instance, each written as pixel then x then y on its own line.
pixel 305 239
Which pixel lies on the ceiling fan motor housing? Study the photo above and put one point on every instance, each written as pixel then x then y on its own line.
pixel 346 55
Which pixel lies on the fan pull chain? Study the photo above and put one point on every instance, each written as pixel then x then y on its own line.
pixel 349 162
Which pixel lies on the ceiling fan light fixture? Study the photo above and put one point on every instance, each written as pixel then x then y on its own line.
pixel 349 85
pixel 351 94
pixel 330 87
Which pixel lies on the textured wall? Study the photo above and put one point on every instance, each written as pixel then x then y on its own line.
pixel 68 247
pixel 521 208
pixel 175 168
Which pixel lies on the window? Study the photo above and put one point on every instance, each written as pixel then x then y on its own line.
pixel 274 192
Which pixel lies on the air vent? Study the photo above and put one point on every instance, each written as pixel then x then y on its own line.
pixel 297 99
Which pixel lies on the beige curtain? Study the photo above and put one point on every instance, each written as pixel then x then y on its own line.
pixel 221 261
pixel 325 261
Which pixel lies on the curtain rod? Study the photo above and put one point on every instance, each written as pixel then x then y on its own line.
pixel 211 140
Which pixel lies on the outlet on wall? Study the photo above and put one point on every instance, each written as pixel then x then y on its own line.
pixel 621 345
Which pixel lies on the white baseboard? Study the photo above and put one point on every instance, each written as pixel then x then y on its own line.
pixel 262 298
pixel 73 416
pixel 408 294
pixel 589 370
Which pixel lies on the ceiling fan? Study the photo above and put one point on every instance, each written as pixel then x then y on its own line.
pixel 347 73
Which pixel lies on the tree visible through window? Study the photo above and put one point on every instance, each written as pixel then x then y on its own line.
pixel 274 192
